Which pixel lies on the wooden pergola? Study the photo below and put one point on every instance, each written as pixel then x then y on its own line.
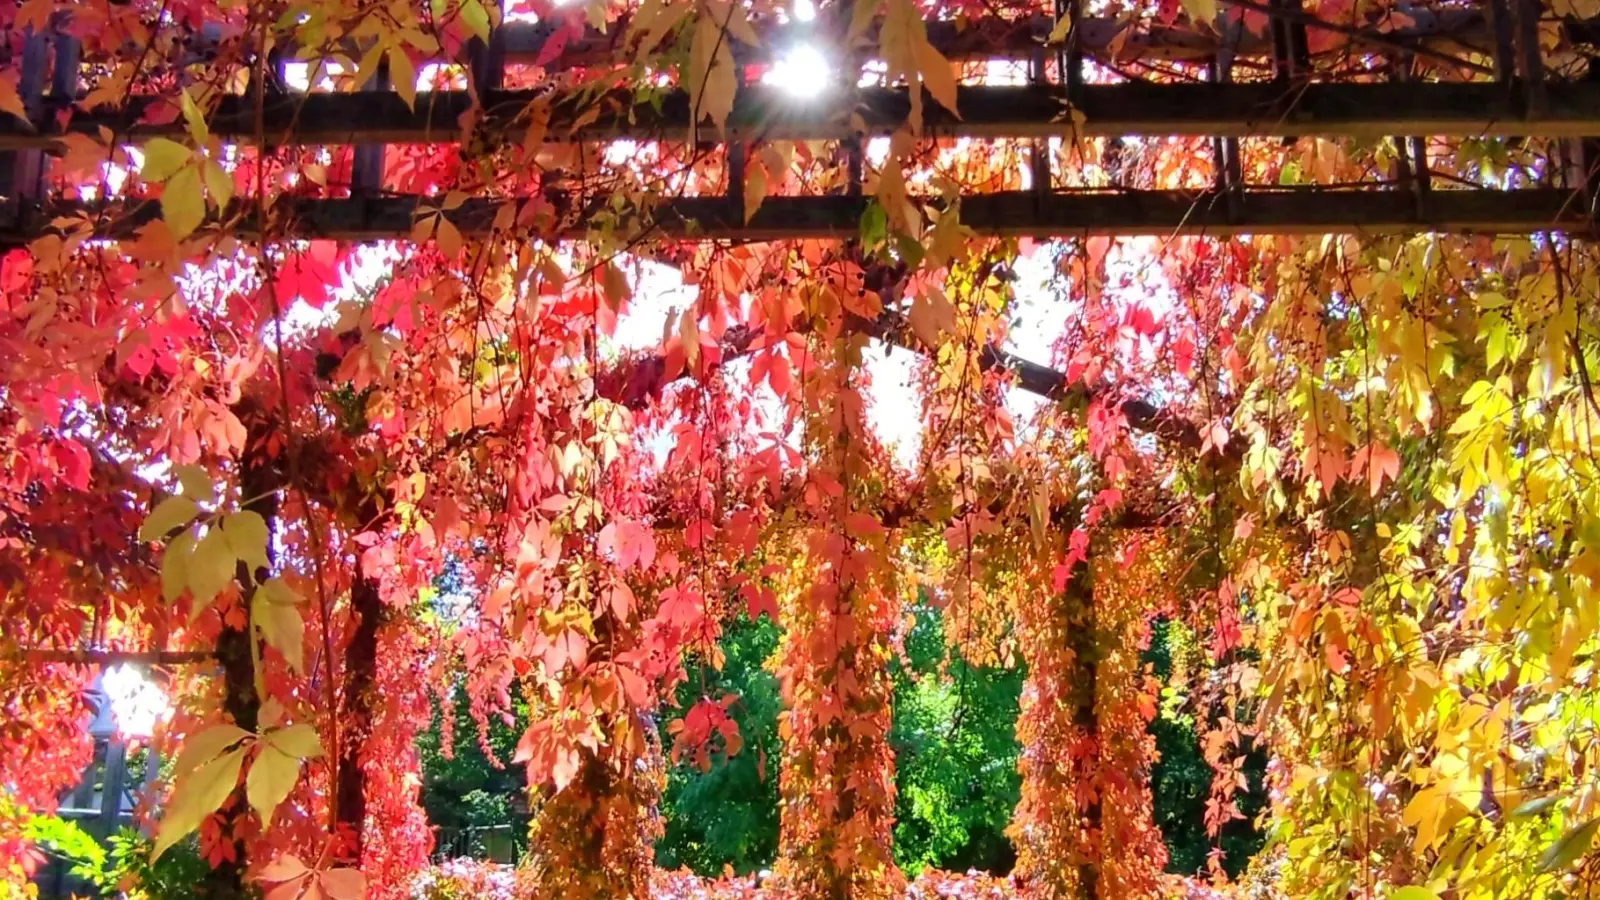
pixel 1488 77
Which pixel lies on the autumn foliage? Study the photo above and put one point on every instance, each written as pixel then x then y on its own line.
pixel 1360 470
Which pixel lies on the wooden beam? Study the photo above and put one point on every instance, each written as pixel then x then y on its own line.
pixel 1015 213
pixel 1260 109
pixel 1107 38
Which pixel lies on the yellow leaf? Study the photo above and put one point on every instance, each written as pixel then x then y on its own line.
pixel 476 19
pixel 197 796
pixel 932 314
pixel 689 336
pixel 1060 33
pixel 163 159
pixel 206 746
pixel 732 17
pixel 1413 892
pixel 211 568
pixel 247 536
pixel 299 741
pixel 196 483
pixel 653 20
pixel 755 190
pixel 173 512
pixel 281 627
pixel 272 777
pixel 219 184
pixel 276 590
pixel 902 28
pixel 194 119
pixel 449 238
pixel 367 66
pixel 1201 12
pixel 175 566
pixel 404 76
pixel 937 75
pixel 616 286
pixel 182 205
pixel 710 78
pixel 909 56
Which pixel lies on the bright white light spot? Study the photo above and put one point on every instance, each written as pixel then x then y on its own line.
pixel 803 72
pixel 137 704
pixel 804 10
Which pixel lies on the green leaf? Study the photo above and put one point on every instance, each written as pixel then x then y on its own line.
pixel 281 628
pixel 1569 847
pixel 163 158
pixel 1533 807
pixel 1413 892
pixel 175 566
pixel 198 796
pixel 173 512
pixel 247 535
pixel 211 567
pixel 182 204
pixel 196 482
pixel 272 777
pixel 299 741
pixel 874 225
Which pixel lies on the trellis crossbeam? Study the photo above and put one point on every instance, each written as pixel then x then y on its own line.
pixel 1013 213
pixel 766 113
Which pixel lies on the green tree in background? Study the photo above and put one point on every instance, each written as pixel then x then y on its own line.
pixel 728 816
pixel 955 764
pixel 955 755
pixel 468 790
pixel 1180 780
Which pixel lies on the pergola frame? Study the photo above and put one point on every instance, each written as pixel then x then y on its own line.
pixel 1520 101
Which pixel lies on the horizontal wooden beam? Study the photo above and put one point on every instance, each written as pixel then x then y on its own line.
pixel 1450 31
pixel 767 113
pixel 1016 213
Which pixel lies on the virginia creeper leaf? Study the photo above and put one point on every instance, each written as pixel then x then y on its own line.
pixel 247 536
pixel 182 205
pixel 173 512
pixel 163 158
pixel 281 627
pixel 272 777
pixel 299 741
pixel 211 568
pixel 197 796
